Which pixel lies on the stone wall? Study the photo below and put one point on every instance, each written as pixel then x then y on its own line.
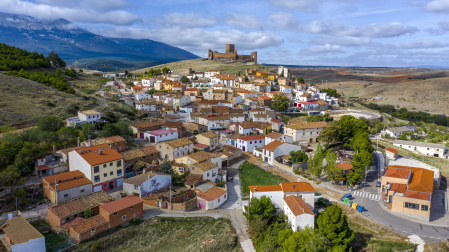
pixel 184 206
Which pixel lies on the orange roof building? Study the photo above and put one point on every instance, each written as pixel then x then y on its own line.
pixel 408 190
pixel 298 213
pixel 66 186
pixel 103 165
pixel 212 198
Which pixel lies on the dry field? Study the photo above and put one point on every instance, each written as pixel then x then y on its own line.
pixel 23 101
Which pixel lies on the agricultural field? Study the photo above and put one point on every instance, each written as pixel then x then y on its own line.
pixel 23 101
pixel 251 174
pixel 169 234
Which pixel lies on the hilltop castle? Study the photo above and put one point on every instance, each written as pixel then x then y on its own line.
pixel 231 54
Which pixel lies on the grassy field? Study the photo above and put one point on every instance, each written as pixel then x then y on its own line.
pixel 53 241
pixel 200 65
pixel 251 175
pixel 168 234
pixel 23 101
pixel 371 236
pixel 88 83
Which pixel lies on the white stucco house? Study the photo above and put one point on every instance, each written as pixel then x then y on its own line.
pixel 213 198
pixel 276 149
pixel 148 82
pixel 277 136
pixel 298 213
pixel 86 116
pixel 146 183
pixel 306 132
pixel 142 95
pixel 397 131
pixel 286 89
pixel 160 135
pixel 428 149
pixel 249 143
pixel 21 236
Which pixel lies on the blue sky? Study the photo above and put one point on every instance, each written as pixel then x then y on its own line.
pixel 394 33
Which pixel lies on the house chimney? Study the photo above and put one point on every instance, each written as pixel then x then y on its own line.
pixel 100 151
pixel 81 152
pixel 78 142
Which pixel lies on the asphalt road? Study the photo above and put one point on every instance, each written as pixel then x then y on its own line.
pixel 400 225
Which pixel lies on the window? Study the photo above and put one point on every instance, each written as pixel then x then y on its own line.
pixel 119 163
pixel 66 195
pixel 208 174
pixel 104 166
pixel 111 173
pixel 412 205
pixel 218 200
pixel 132 207
pixel 97 178
pixel 104 185
pixel 424 208
pixel 124 217
pixel 119 172
pixel 181 169
pixel 82 190
pixel 110 164
pixel 96 169
pixel 115 213
pixel 136 187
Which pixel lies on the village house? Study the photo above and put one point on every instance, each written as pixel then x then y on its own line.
pixel 246 85
pixel 428 149
pixel 148 82
pixel 209 104
pixel 236 118
pixel 392 154
pixel 180 101
pixel 261 88
pixel 140 127
pixel 66 186
pixel 397 131
pixel 305 132
pixel 52 163
pixel 219 86
pixel 170 125
pixel 208 169
pixel 277 136
pixel 246 128
pixel 261 118
pixel 276 125
pixel 310 105
pixel 199 157
pixel 286 89
pixel 299 214
pixel 147 154
pixel 265 101
pixel 160 135
pixel 193 128
pixel 175 148
pixel 208 138
pixel 192 93
pixel 219 95
pixel 211 73
pixel 214 122
pixel 143 95
pixel 111 215
pixel 249 143
pixel 212 198
pixel 86 116
pixel 101 164
pixel 60 216
pixel 227 79
pixel 305 97
pixel 117 143
pixel 408 190
pixel 322 105
pixel 276 149
pixel 144 184
pixel 149 105
pixel 21 236
pixel 179 88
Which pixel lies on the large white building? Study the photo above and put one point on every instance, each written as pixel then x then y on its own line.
pixel 86 116
pixel 160 135
pixel 428 149
pixel 277 149
pixel 305 132
pixel 295 199
pixel 249 143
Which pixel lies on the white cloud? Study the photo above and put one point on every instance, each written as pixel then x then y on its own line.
pixel 322 49
pixel 344 40
pixel 441 6
pixel 419 44
pixel 188 20
pixel 283 21
pixel 375 30
pixel 444 26
pixel 88 15
pixel 244 21
pixel 101 5
pixel 196 40
pixel 301 5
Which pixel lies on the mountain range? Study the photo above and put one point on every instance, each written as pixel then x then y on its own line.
pixel 93 51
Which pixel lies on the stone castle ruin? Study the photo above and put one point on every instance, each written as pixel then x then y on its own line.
pixel 231 55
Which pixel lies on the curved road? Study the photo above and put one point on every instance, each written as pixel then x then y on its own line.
pixel 399 224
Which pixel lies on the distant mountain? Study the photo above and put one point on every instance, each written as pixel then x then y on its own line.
pixel 73 43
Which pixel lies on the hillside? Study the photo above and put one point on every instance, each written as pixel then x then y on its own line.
pixel 199 65
pixel 74 43
pixel 23 101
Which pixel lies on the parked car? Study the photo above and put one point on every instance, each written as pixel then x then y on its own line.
pixel 182 111
pixel 378 184
pixel 308 150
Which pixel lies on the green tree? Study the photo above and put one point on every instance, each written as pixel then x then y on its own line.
pixel 333 225
pixel 152 91
pixel 302 241
pixel 184 79
pixel 299 156
pixel 87 213
pixel 333 172
pixel 300 80
pixel 49 123
pixel 262 207
pixel 361 142
pixel 166 166
pixel 165 70
pixel 88 131
pixel 280 102
pixel 316 162
pixel 11 176
pixel 56 60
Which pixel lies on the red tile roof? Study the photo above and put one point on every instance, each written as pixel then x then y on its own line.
pixel 273 145
pixel 345 166
pixel 160 132
pixel 297 187
pixel 417 195
pixel 120 204
pixel 421 179
pixel 397 173
pixel 275 120
pixel 93 157
pixel 63 176
pixel 252 138
pixel 89 224
pixel 399 188
pixel 265 188
pixel 274 135
pixel 297 205
pixel 212 194
pixel 264 97
pixel 392 150
pixel 71 184
pixel 43 167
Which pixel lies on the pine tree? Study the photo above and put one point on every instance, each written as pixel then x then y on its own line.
pixel 333 225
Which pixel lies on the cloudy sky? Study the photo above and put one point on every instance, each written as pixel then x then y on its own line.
pixel 297 32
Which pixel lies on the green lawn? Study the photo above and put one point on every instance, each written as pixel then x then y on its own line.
pixel 251 175
pixel 168 234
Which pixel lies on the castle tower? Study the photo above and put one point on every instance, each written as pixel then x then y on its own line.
pixel 254 57
pixel 230 48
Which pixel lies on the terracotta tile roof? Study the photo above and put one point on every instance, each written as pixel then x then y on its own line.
pixel 178 142
pixel 392 150
pixel 417 195
pixel 193 179
pixel 67 225
pixel 204 166
pixel 397 173
pixel 208 134
pixel 264 97
pixel 202 156
pixel 171 124
pixel 217 109
pixel 256 110
pixel 43 167
pixel 321 102
pixel 147 124
pixel 78 205
pixel 20 230
pixel 216 117
pixel 275 121
pixel 252 138
pixel 108 140
pixel 306 125
pixel 89 224
pixel 138 153
pixel 120 204
pixel 233 137
pixel 399 188
pixel 258 125
pixel 274 135
pixel 285 86
pixel 265 188
pixel 71 184
pixel 200 146
pixel 261 116
pixel 273 145
pixel 227 77
pixel 92 154
pixel 212 194
pixel 345 166
pixel 421 179
pixel 297 187
pixel 297 205
pixel 306 95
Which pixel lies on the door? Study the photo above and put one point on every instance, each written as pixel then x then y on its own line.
pixel 390 199
pixel 97 188
pixel 111 185
pixel 202 204
pixel 152 139
pixel 142 136
pixel 119 182
pixel 243 148
pixel 224 163
pixel 311 140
